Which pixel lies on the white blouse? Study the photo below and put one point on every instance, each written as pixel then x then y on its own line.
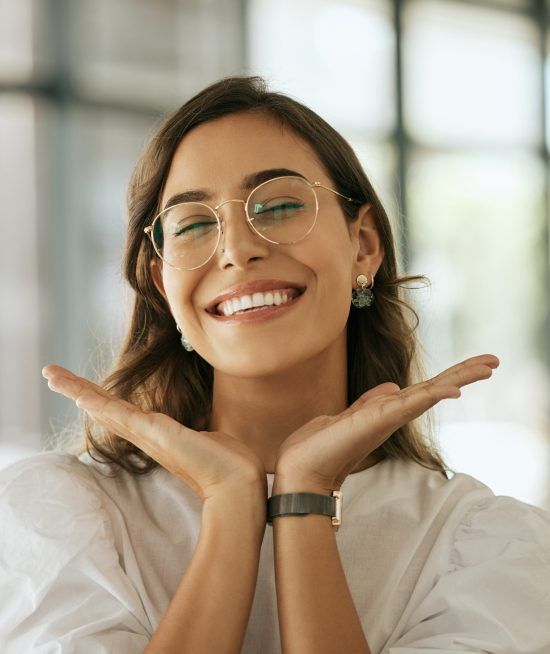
pixel 89 563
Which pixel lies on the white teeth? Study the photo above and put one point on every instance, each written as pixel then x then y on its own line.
pixel 245 302
pixel 229 307
pixel 257 300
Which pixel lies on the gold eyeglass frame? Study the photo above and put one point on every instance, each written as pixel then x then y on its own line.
pixel 313 185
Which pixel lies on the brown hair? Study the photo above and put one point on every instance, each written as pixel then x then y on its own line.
pixel 152 368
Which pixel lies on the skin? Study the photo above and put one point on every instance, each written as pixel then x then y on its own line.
pixel 267 385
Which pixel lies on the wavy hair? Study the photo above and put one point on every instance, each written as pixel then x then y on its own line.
pixel 155 372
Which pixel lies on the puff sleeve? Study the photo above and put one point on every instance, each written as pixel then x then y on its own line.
pixel 495 594
pixel 62 588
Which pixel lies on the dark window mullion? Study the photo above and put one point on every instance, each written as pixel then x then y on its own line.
pixel 401 141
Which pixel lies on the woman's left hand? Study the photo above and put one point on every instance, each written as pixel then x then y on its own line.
pixel 321 454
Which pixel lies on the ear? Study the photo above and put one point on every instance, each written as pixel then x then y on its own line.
pixel 156 274
pixel 367 248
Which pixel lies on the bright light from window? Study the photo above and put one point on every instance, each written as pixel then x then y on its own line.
pixel 471 75
pixel 336 57
pixel 16 61
pixel 509 458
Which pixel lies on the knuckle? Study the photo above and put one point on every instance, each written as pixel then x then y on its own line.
pixel 485 372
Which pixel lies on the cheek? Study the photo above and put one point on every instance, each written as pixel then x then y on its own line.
pixel 178 292
pixel 330 262
pixel 332 254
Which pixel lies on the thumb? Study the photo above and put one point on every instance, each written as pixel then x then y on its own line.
pixel 387 388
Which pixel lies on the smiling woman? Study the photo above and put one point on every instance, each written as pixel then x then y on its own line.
pixel 254 241
pixel 216 147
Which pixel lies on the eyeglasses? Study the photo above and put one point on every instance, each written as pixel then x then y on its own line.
pixel 282 210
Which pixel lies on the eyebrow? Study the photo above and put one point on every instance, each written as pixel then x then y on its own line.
pixel 247 184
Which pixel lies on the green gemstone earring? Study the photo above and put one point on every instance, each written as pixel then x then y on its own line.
pixel 363 297
pixel 186 344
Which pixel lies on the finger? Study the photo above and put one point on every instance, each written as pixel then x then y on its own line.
pixel 66 382
pixel 398 409
pixel 468 371
pixel 156 434
pixel 150 431
pixel 51 369
pixel 456 379
pixel 461 374
pixel 128 420
pixel 120 416
pixel 488 360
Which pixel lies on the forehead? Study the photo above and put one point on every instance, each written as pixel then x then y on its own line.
pixel 218 154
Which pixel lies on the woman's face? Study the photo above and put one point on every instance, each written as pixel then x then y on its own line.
pixel 216 156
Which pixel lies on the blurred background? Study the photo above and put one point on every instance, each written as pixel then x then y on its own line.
pixel 447 104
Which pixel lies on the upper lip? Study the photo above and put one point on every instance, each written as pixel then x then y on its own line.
pixel 257 286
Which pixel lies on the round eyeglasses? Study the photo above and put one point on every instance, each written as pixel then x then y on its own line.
pixel 282 210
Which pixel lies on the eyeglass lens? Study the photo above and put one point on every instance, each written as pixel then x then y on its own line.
pixel 281 210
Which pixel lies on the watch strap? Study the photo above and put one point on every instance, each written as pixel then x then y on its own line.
pixel 304 504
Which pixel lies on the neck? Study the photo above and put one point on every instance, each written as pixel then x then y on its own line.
pixel 264 411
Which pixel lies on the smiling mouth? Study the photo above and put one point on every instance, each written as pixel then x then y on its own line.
pixel 259 312
pixel 214 310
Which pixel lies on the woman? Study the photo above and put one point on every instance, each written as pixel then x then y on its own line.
pixel 260 361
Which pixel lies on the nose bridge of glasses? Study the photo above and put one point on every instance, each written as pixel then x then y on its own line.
pixel 227 201
pixel 222 221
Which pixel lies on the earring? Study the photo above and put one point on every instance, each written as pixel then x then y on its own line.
pixel 363 297
pixel 186 344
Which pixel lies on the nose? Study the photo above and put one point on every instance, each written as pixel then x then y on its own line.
pixel 238 240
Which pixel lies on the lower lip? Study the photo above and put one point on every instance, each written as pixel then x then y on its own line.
pixel 262 314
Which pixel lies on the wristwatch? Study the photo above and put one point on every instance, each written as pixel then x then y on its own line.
pixel 305 503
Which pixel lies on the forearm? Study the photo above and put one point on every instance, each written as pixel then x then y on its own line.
pixel 211 607
pixel 315 606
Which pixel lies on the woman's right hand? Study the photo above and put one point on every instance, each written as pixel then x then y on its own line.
pixel 213 464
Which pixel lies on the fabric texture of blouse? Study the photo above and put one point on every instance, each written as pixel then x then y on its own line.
pixel 89 563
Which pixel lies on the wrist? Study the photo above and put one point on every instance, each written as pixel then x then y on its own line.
pixel 245 509
pixel 299 496
pixel 283 484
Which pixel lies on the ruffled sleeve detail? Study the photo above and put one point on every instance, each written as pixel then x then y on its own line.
pixel 62 588
pixel 495 595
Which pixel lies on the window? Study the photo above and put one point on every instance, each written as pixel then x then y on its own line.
pixel 82 85
pixel 443 103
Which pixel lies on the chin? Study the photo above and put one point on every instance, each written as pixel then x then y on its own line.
pixel 257 360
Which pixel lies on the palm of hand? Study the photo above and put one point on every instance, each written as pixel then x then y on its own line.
pixel 326 449
pixel 210 463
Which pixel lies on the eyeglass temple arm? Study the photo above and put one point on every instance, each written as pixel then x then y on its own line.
pixel 318 184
